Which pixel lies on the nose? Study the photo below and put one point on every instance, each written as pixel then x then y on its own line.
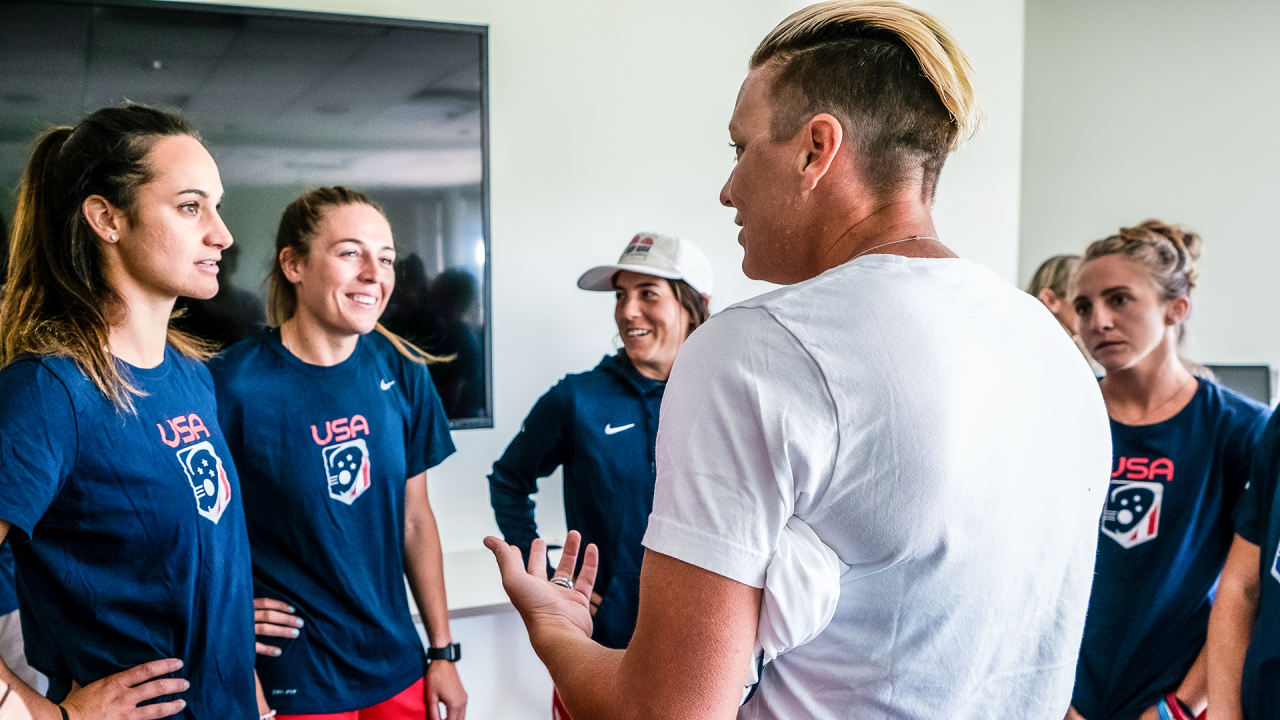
pixel 725 199
pixel 369 268
pixel 219 236
pixel 1097 319
pixel 628 307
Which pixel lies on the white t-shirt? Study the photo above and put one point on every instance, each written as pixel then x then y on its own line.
pixel 935 427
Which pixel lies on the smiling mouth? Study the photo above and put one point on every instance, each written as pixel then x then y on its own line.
pixel 208 264
pixel 637 332
pixel 363 300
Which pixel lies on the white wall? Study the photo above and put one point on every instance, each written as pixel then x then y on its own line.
pixel 611 118
pixel 608 118
pixel 1160 108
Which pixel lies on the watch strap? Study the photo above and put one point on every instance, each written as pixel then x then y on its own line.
pixel 448 653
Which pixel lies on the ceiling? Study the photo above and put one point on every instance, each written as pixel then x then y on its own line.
pixel 278 100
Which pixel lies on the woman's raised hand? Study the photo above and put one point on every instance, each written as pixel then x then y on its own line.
pixel 540 600
pixel 116 697
pixel 274 618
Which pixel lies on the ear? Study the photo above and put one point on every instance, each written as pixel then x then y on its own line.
pixel 1050 299
pixel 821 139
pixel 291 264
pixel 107 221
pixel 706 299
pixel 1177 310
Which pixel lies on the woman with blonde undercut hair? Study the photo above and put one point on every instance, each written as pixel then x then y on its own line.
pixel 846 401
pixel 1183 447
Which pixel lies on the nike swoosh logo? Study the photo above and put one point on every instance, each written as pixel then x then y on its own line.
pixel 386 385
pixel 610 430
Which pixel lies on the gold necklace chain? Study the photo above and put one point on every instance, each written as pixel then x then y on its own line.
pixel 895 242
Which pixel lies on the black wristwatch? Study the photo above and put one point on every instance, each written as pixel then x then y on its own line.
pixel 448 653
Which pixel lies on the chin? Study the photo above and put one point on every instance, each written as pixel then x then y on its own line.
pixel 200 292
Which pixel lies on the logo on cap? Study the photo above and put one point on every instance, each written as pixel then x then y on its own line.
pixel 640 244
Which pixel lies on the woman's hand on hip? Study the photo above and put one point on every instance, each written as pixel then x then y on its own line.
pixel 274 618
pixel 116 697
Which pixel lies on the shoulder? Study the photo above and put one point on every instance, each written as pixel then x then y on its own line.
pixel 33 374
pixel 1234 409
pixel 44 388
pixel 741 332
pixel 239 358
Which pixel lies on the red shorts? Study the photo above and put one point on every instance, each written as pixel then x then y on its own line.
pixel 558 711
pixel 411 704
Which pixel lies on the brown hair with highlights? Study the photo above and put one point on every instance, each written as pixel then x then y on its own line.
pixel 57 300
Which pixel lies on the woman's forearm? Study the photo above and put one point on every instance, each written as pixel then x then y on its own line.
pixel 1230 624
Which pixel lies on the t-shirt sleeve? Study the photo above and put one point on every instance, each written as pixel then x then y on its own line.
pixel 748 426
pixel 37 442
pixel 429 441
pixel 1252 510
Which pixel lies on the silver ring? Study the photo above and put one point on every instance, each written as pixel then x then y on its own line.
pixel 562 582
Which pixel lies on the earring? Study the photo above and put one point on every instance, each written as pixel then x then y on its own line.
pixel 114 237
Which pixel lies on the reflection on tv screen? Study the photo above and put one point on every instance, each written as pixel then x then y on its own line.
pixel 287 102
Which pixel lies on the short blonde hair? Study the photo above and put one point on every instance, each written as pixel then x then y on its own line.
pixel 893 75
pixel 1054 274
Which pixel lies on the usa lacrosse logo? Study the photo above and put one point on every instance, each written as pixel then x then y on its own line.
pixel 1132 516
pixel 639 245
pixel 207 478
pixel 347 466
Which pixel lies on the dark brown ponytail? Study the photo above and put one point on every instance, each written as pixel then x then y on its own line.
pixel 57 300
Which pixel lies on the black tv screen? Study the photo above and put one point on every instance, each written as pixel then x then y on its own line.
pixel 288 101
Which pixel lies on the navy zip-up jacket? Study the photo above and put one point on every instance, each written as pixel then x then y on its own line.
pixel 602 426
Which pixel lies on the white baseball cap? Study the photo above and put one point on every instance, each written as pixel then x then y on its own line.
pixel 665 256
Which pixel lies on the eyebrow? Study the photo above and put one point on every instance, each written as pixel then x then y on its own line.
pixel 365 243
pixel 194 191
pixel 1115 289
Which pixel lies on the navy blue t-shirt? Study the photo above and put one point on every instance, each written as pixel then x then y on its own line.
pixel 1164 536
pixel 325 453
pixel 128 533
pixel 8 594
pixel 1258 522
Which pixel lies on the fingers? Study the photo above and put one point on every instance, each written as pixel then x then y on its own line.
pixel 156 688
pixel 139 674
pixel 273 604
pixel 163 710
pixel 274 622
pixel 433 704
pixel 510 561
pixel 538 559
pixel 586 580
pixel 268 650
pixel 569 556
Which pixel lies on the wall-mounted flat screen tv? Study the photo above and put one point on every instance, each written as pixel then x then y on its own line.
pixel 288 101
